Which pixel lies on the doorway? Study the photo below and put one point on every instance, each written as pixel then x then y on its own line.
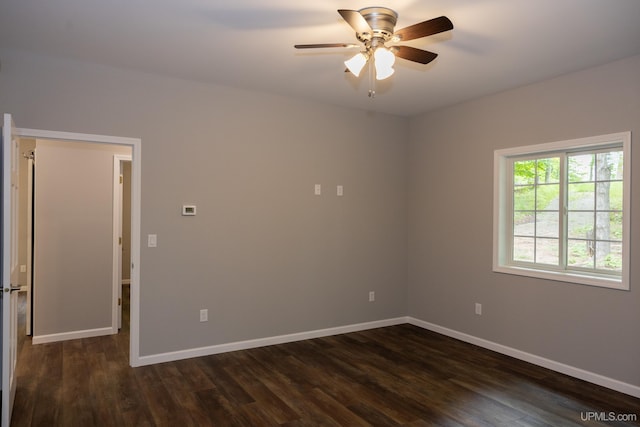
pixel 75 293
pixel 135 158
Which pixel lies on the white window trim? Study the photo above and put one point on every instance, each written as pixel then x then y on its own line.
pixel 501 211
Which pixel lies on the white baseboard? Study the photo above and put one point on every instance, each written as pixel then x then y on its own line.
pixel 572 371
pixel 64 336
pixel 262 342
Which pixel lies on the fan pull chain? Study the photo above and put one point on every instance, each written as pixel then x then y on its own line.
pixel 372 81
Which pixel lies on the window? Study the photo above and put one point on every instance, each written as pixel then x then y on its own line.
pixel 561 210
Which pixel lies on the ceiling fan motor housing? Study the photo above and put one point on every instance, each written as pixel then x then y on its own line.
pixel 381 20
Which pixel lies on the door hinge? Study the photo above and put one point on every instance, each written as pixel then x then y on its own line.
pixel 119 240
pixel 120 179
pixel 119 301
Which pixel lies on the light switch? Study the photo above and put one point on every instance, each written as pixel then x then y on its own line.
pixel 318 189
pixel 340 190
pixel 152 240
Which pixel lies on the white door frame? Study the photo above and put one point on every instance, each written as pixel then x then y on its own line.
pixel 136 178
pixel 117 238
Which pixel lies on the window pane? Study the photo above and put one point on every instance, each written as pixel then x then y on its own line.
pixel 523 249
pixel 581 197
pixel 524 172
pixel 580 253
pixel 609 165
pixel 581 168
pixel 524 198
pixel 547 251
pixel 547 224
pixel 608 196
pixel 580 225
pixel 603 196
pixel 609 226
pixel 615 224
pixel 609 256
pixel 547 197
pixel 523 223
pixel 548 170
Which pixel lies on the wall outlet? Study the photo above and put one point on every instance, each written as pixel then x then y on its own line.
pixel 372 296
pixel 478 309
pixel 188 210
pixel 23 268
pixel 204 315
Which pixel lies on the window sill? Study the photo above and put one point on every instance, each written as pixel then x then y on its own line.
pixel 571 277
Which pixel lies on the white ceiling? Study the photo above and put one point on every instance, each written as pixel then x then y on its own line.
pixel 495 45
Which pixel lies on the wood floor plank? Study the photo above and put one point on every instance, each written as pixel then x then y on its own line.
pixel 336 410
pixel 226 384
pixel 253 414
pixel 193 375
pixel 76 384
pixel 164 410
pixel 267 402
pixel 218 408
pixel 47 398
pixel 104 391
pixel 372 415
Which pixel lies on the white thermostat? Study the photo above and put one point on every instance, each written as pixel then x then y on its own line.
pixel 188 210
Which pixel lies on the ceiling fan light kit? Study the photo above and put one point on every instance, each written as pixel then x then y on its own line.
pixel 374 27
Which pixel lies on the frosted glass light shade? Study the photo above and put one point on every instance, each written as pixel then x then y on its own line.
pixel 356 64
pixel 384 61
pixel 383 73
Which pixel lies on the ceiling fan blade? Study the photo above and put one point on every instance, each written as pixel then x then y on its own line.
pixel 413 54
pixel 356 20
pixel 424 29
pixel 322 45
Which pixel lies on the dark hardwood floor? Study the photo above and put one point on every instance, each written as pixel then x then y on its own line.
pixel 399 375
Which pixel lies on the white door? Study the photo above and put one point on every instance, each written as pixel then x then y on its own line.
pixel 9 264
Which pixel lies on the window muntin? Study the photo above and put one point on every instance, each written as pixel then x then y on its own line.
pixel 560 210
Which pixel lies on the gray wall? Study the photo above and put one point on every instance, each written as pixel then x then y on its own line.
pixel 450 223
pixel 264 255
pixel 73 289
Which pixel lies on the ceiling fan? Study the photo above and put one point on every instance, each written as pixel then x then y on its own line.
pixel 374 27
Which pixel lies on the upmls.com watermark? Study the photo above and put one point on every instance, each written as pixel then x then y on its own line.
pixel 608 416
